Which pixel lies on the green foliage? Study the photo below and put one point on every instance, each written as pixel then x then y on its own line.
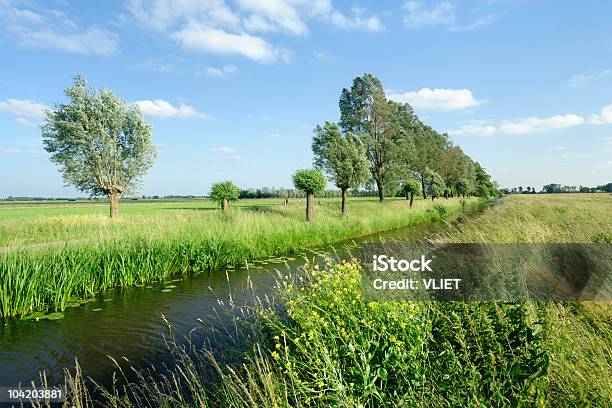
pixel 101 145
pixel 335 348
pixel 411 186
pixel 224 191
pixel 342 156
pixel 462 186
pixel 366 112
pixel 434 183
pixel 310 181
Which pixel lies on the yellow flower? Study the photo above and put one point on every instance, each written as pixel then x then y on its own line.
pixel 275 355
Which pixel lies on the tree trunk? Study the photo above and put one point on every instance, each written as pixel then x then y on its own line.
pixel 113 197
pixel 344 198
pixel 423 186
pixel 309 205
pixel 224 204
pixel 411 198
pixel 381 191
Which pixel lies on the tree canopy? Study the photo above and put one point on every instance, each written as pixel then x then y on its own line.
pixel 223 193
pixel 310 181
pixel 102 145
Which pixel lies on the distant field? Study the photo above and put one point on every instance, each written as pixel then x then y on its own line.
pixel 12 210
pixel 34 222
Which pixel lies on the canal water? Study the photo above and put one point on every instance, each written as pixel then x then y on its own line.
pixel 130 325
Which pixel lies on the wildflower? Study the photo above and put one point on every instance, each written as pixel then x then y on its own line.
pixel 275 355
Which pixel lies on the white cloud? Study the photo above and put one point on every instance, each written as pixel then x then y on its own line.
pixel 153 64
pixel 214 27
pixel 536 124
pixel 164 15
pixel 223 149
pixel 52 29
pixel 24 122
pixel 23 108
pixel 420 15
pixel 520 126
pixel 162 109
pixel 91 41
pixel 581 79
pixel 603 117
pixel 437 99
pixel 357 21
pixel 222 71
pixel 196 37
pixel 480 23
pixel 270 14
pixel 474 129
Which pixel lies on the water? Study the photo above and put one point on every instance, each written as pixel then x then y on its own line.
pixel 130 325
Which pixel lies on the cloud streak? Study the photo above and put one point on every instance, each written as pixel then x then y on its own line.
pixel 437 99
pixel 160 108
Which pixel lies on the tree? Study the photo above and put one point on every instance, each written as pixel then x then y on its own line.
pixel 462 187
pixel 429 147
pixel 433 184
pixel 364 111
pixel 102 145
pixel 342 156
pixel 223 193
pixel 311 182
pixel 411 187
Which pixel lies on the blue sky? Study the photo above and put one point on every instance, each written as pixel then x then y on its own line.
pixel 233 88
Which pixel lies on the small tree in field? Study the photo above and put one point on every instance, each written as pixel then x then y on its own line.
pixel 342 156
pixel 101 145
pixel 223 193
pixel 410 188
pixel 311 182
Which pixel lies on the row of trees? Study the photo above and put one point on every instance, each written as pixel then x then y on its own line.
pixel 558 188
pixel 385 143
pixel 103 147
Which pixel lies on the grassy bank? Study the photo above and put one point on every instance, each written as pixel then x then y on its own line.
pixel 144 247
pixel 324 345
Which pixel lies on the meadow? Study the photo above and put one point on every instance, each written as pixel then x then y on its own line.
pixel 322 344
pixel 53 256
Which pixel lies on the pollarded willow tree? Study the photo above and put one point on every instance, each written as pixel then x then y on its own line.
pixel 224 193
pixel 311 182
pixel 411 187
pixel 342 156
pixel 101 144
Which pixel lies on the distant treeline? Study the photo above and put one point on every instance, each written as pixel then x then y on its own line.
pixel 271 192
pixel 558 188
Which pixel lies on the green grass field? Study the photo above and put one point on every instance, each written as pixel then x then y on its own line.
pixel 324 345
pixel 23 223
pixel 49 261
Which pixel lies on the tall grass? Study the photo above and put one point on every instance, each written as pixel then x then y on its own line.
pixel 141 249
pixel 324 345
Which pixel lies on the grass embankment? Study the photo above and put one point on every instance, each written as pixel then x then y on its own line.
pixel 141 248
pixel 324 345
